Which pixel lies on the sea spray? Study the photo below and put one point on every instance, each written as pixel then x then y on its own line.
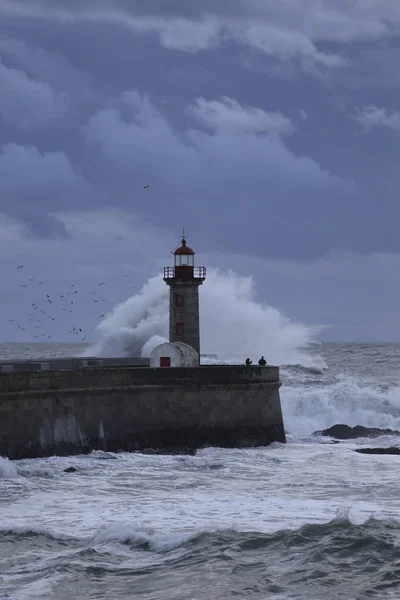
pixel 233 324
pixel 345 399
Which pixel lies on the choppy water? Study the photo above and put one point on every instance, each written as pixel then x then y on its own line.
pixel 303 521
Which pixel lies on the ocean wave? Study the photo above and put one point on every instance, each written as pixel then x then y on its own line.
pixel 7 469
pixel 346 400
pixel 337 558
pixel 145 538
pixel 298 368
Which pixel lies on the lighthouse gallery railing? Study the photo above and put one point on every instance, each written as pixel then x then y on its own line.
pixel 172 272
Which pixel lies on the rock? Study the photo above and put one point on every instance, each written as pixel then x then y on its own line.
pixel 391 450
pixel 70 470
pixel 344 432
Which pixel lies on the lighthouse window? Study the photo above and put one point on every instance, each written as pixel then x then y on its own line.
pixel 179 300
pixel 184 260
pixel 179 329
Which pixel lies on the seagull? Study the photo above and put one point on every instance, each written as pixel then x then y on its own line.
pixel 103 315
pixel 20 267
pixel 146 187
pixel 102 283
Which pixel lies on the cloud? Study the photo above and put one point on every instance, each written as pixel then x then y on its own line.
pixel 373 116
pixel 229 169
pixel 292 29
pixel 29 179
pixel 139 130
pixel 42 67
pixel 27 103
pixel 228 115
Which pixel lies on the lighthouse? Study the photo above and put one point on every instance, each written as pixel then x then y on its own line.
pixel 184 280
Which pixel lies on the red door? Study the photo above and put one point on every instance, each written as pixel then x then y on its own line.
pixel 165 361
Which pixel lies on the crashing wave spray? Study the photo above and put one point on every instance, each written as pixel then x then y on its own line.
pixel 233 325
pixel 343 400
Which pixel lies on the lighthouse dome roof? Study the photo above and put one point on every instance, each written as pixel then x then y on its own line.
pixel 183 249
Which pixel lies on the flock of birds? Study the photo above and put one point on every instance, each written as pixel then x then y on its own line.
pixel 39 318
pixel 56 306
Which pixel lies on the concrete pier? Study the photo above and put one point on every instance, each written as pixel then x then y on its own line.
pixel 125 407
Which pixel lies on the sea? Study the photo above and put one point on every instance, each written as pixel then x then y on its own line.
pixel 305 520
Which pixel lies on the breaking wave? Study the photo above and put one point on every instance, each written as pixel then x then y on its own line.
pixel 310 407
pixel 337 558
pixel 234 324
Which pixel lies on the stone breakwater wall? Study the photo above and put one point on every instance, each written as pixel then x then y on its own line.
pixel 68 364
pixel 126 408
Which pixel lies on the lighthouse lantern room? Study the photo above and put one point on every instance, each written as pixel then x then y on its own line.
pixel 184 280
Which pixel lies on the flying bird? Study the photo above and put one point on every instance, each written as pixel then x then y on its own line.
pixel 146 187
pixel 20 267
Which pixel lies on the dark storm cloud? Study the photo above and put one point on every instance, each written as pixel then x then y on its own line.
pixel 286 29
pixel 94 111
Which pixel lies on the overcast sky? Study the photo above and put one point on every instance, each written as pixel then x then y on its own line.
pixel 270 129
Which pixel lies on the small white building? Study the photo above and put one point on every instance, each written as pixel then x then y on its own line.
pixel 174 354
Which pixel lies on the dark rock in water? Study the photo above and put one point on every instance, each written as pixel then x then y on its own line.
pixel 391 450
pixel 70 470
pixel 344 432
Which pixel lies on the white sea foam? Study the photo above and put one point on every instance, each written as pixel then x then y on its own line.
pixel 309 408
pixel 234 324
pixel 141 536
pixel 7 469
